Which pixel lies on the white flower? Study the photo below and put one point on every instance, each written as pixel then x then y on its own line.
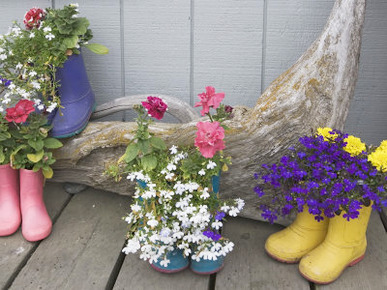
pixel 165 262
pixel 205 194
pixel 132 246
pixel 35 85
pixel 50 36
pixel 19 66
pixel 32 73
pixel 169 175
pixel 211 165
pixel 32 34
pixel 10 52
pixel 240 203
pixel 233 212
pixel 6 100
pixel 171 167
pixel 135 207
pixel 47 29
pixel 217 225
pixel 51 107
pixel 152 223
pixel 3 56
pixel 165 232
pixel 202 172
pixel 1 109
pixel 173 149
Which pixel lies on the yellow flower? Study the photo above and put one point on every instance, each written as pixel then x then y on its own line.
pixel 325 133
pixel 378 158
pixel 354 145
pixel 383 145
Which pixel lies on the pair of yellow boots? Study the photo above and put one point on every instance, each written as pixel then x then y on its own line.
pixel 324 249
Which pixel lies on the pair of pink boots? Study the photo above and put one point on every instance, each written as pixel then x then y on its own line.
pixel 21 201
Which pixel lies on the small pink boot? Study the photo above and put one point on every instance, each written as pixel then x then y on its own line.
pixel 9 200
pixel 36 224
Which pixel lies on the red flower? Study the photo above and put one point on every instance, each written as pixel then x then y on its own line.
pixel 209 99
pixel 209 138
pixel 33 18
pixel 20 112
pixel 155 107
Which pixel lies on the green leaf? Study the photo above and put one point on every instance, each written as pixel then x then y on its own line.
pixel 131 152
pixel 143 146
pixel 158 143
pixel 37 145
pixel 52 143
pixel 71 42
pixel 81 26
pixel 4 136
pixel 97 48
pixel 149 162
pixel 36 157
pixel 47 172
pixel 2 156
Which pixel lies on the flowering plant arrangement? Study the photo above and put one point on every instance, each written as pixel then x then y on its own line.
pixel 27 147
pixel 31 55
pixel 176 204
pixel 329 172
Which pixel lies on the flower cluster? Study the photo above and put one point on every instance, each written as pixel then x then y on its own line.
pixel 169 212
pixel 176 203
pixel 329 172
pixel 31 55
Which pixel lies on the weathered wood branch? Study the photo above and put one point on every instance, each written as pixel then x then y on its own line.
pixel 316 91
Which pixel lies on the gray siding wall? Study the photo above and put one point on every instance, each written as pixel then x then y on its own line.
pixel 177 47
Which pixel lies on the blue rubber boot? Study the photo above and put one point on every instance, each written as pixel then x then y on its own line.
pixel 207 267
pixel 76 96
pixel 177 262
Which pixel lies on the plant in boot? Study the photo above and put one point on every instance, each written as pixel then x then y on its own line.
pixel 33 66
pixel 176 212
pixel 334 177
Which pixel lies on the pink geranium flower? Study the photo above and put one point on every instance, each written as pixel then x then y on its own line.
pixel 209 99
pixel 20 112
pixel 155 107
pixel 209 138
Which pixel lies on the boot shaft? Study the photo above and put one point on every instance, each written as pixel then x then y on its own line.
pixel 9 180
pixel 31 187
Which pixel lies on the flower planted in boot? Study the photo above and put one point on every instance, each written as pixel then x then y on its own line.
pixel 344 245
pixel 9 200
pixel 36 224
pixel 76 96
pixel 302 236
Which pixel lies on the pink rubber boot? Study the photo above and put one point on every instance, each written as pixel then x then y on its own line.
pixel 9 200
pixel 36 224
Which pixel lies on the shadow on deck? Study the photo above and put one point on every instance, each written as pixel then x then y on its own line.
pixel 84 252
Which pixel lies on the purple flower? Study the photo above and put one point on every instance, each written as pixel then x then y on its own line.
pixel 219 215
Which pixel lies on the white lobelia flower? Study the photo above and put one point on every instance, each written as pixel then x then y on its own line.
pixel 211 165
pixel 51 107
pixel 47 29
pixel 3 56
pixel 32 34
pixel 171 167
pixel 35 85
pixel 19 66
pixel 240 203
pixel 132 246
pixel 173 149
pixel 202 172
pixel 205 194
pixel 217 225
pixel 233 212
pixel 1 109
pixel 152 223
pixel 50 36
pixel 32 73
pixel 169 175
pixel 135 207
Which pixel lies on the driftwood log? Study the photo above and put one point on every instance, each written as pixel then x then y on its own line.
pixel 316 91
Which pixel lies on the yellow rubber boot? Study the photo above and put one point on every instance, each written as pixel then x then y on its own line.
pixel 344 245
pixel 302 236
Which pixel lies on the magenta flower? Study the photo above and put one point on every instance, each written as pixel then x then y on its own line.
pixel 209 99
pixel 33 18
pixel 20 112
pixel 209 138
pixel 155 107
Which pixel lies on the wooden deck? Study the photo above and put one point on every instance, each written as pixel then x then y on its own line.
pixel 84 252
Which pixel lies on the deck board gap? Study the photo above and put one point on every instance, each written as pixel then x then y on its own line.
pixel 383 217
pixel 116 269
pixel 212 282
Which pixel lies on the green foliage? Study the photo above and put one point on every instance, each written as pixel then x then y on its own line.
pixel 29 145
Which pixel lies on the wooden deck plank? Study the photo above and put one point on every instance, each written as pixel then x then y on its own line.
pixel 248 266
pixel 138 274
pixel 15 249
pixel 83 248
pixel 371 272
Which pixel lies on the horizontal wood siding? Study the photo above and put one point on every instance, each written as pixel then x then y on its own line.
pixel 177 47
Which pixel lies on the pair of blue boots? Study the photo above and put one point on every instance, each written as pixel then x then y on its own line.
pixel 76 96
pixel 179 262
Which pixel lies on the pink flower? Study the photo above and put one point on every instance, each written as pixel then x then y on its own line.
pixel 155 107
pixel 209 138
pixel 209 99
pixel 33 18
pixel 20 112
